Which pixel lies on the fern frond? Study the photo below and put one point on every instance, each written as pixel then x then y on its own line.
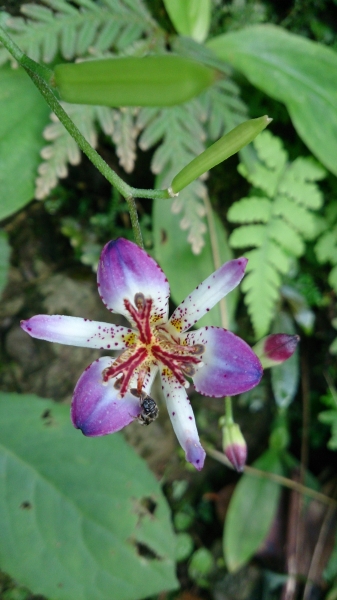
pixel 326 247
pixel 276 224
pixel 224 107
pixel 60 26
pixel 63 149
pixel 119 125
pixel 124 135
pixel 182 137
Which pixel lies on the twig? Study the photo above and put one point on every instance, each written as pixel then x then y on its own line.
pixel 284 481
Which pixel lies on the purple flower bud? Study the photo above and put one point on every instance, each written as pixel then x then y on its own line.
pixel 275 349
pixel 234 446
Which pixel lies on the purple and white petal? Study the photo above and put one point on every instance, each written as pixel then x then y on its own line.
pixel 230 366
pixel 182 418
pixel 207 294
pixel 96 408
pixel 125 270
pixel 75 331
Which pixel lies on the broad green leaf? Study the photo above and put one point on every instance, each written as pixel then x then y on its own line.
pixel 81 518
pixel 293 70
pixel 251 512
pixel 190 17
pixel 285 377
pixel 23 116
pixel 184 269
pixel 4 259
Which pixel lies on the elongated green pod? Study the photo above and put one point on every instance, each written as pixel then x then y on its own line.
pixel 225 147
pixel 162 80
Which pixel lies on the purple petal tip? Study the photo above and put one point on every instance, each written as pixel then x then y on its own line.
pixel 237 456
pixel 195 454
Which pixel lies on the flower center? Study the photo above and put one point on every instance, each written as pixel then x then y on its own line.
pixel 151 346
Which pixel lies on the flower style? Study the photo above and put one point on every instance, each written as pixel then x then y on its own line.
pixel 108 395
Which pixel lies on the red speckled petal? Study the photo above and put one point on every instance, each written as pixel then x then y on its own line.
pixel 230 366
pixel 97 408
pixel 125 270
pixel 207 294
pixel 74 331
pixel 182 418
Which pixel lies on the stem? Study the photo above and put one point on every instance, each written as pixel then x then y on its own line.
pixel 134 221
pixel 288 483
pixel 229 410
pixel 216 258
pixel 38 75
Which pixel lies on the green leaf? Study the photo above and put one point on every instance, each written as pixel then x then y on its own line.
pixel 183 269
pixel 251 512
pixel 293 70
pixel 23 115
pixel 81 517
pixel 190 17
pixel 4 259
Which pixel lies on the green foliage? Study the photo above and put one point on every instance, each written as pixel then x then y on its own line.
pixel 181 132
pixel 326 247
pixel 184 546
pixel 298 72
pixel 191 17
pixel 182 138
pixel 251 512
pixel 4 260
pixel 119 125
pixel 171 249
pixel 275 220
pixel 23 114
pixel 61 27
pixel 73 513
pixel 201 566
pixel 329 417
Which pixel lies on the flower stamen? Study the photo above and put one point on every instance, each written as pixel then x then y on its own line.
pixel 141 316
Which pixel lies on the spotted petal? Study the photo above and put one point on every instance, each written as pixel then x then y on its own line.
pixel 207 294
pixel 230 366
pixel 97 409
pixel 182 418
pixel 74 331
pixel 125 270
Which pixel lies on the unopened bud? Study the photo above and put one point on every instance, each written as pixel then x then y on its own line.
pixel 234 445
pixel 275 349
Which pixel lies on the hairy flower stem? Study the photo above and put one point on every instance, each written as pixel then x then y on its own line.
pixel 40 75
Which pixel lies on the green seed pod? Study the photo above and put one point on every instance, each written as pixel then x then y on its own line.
pixel 162 80
pixel 229 144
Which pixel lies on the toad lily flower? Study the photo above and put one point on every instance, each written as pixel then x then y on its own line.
pixel 109 394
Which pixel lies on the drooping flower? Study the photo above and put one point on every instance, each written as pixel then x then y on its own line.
pixel 109 394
